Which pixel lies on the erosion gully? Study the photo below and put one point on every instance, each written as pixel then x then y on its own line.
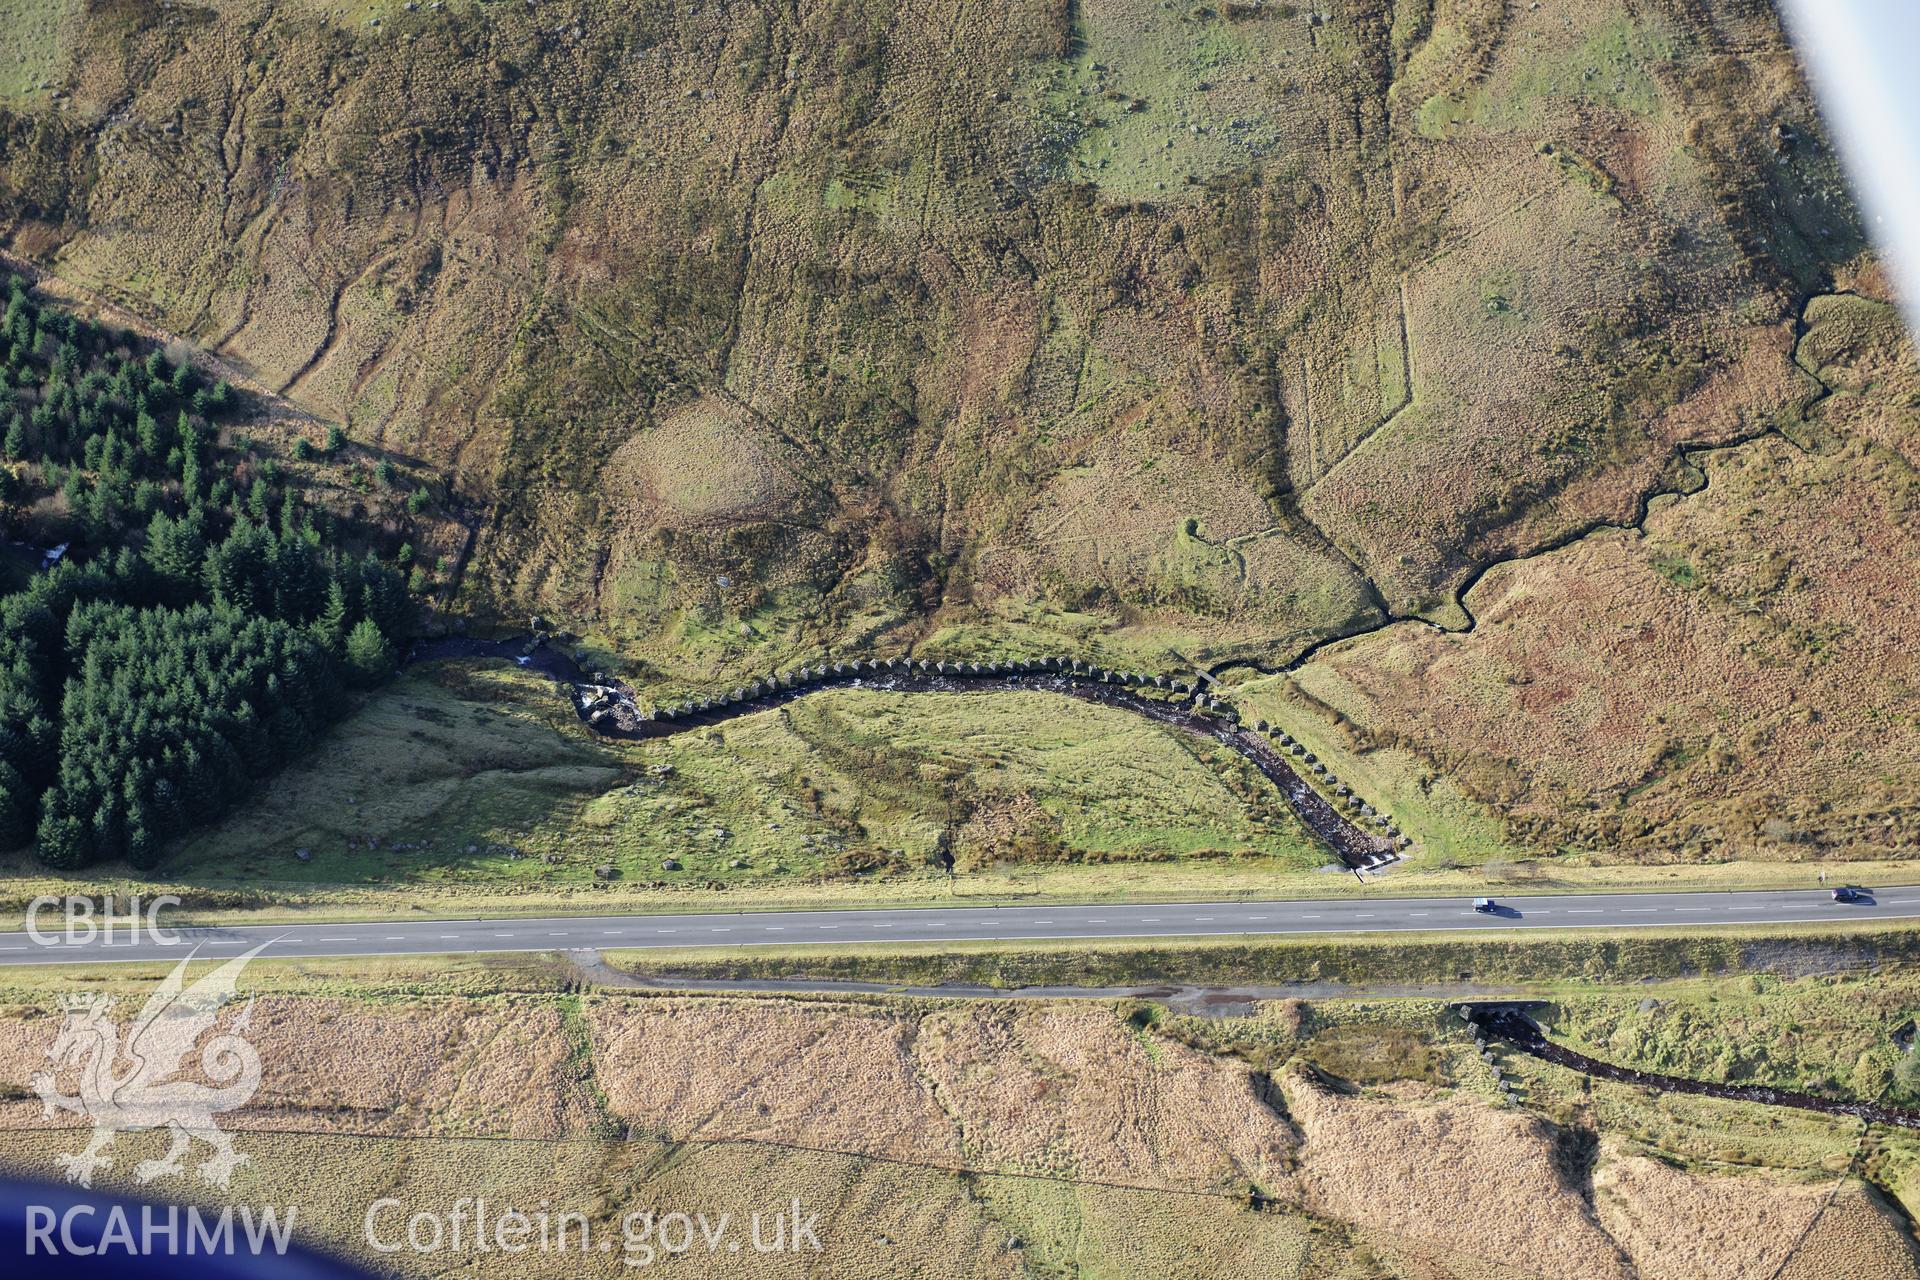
pixel 1684 453
pixel 1354 846
pixel 1513 1024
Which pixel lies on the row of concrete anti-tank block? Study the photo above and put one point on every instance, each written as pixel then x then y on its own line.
pixel 828 673
pixel 1344 795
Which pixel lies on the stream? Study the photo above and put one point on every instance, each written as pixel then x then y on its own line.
pixel 610 709
pixel 1511 1023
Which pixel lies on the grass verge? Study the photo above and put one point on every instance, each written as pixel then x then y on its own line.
pixel 1542 964
pixel 292 902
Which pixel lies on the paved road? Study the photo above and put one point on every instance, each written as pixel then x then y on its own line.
pixel 958 924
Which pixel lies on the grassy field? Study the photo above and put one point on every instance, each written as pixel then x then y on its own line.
pixel 31 56
pixel 478 783
pixel 1156 99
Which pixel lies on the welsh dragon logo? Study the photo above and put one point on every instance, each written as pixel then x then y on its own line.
pixel 132 1086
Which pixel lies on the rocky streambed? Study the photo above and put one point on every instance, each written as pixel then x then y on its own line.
pixel 1360 836
pixel 1512 1023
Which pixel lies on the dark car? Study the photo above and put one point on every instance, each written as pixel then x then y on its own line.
pixel 1851 893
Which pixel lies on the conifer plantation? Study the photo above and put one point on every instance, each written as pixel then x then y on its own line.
pixel 200 624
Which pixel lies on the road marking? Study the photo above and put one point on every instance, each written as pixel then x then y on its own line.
pixel 1779 909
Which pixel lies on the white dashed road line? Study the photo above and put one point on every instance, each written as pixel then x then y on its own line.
pixel 1014 924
